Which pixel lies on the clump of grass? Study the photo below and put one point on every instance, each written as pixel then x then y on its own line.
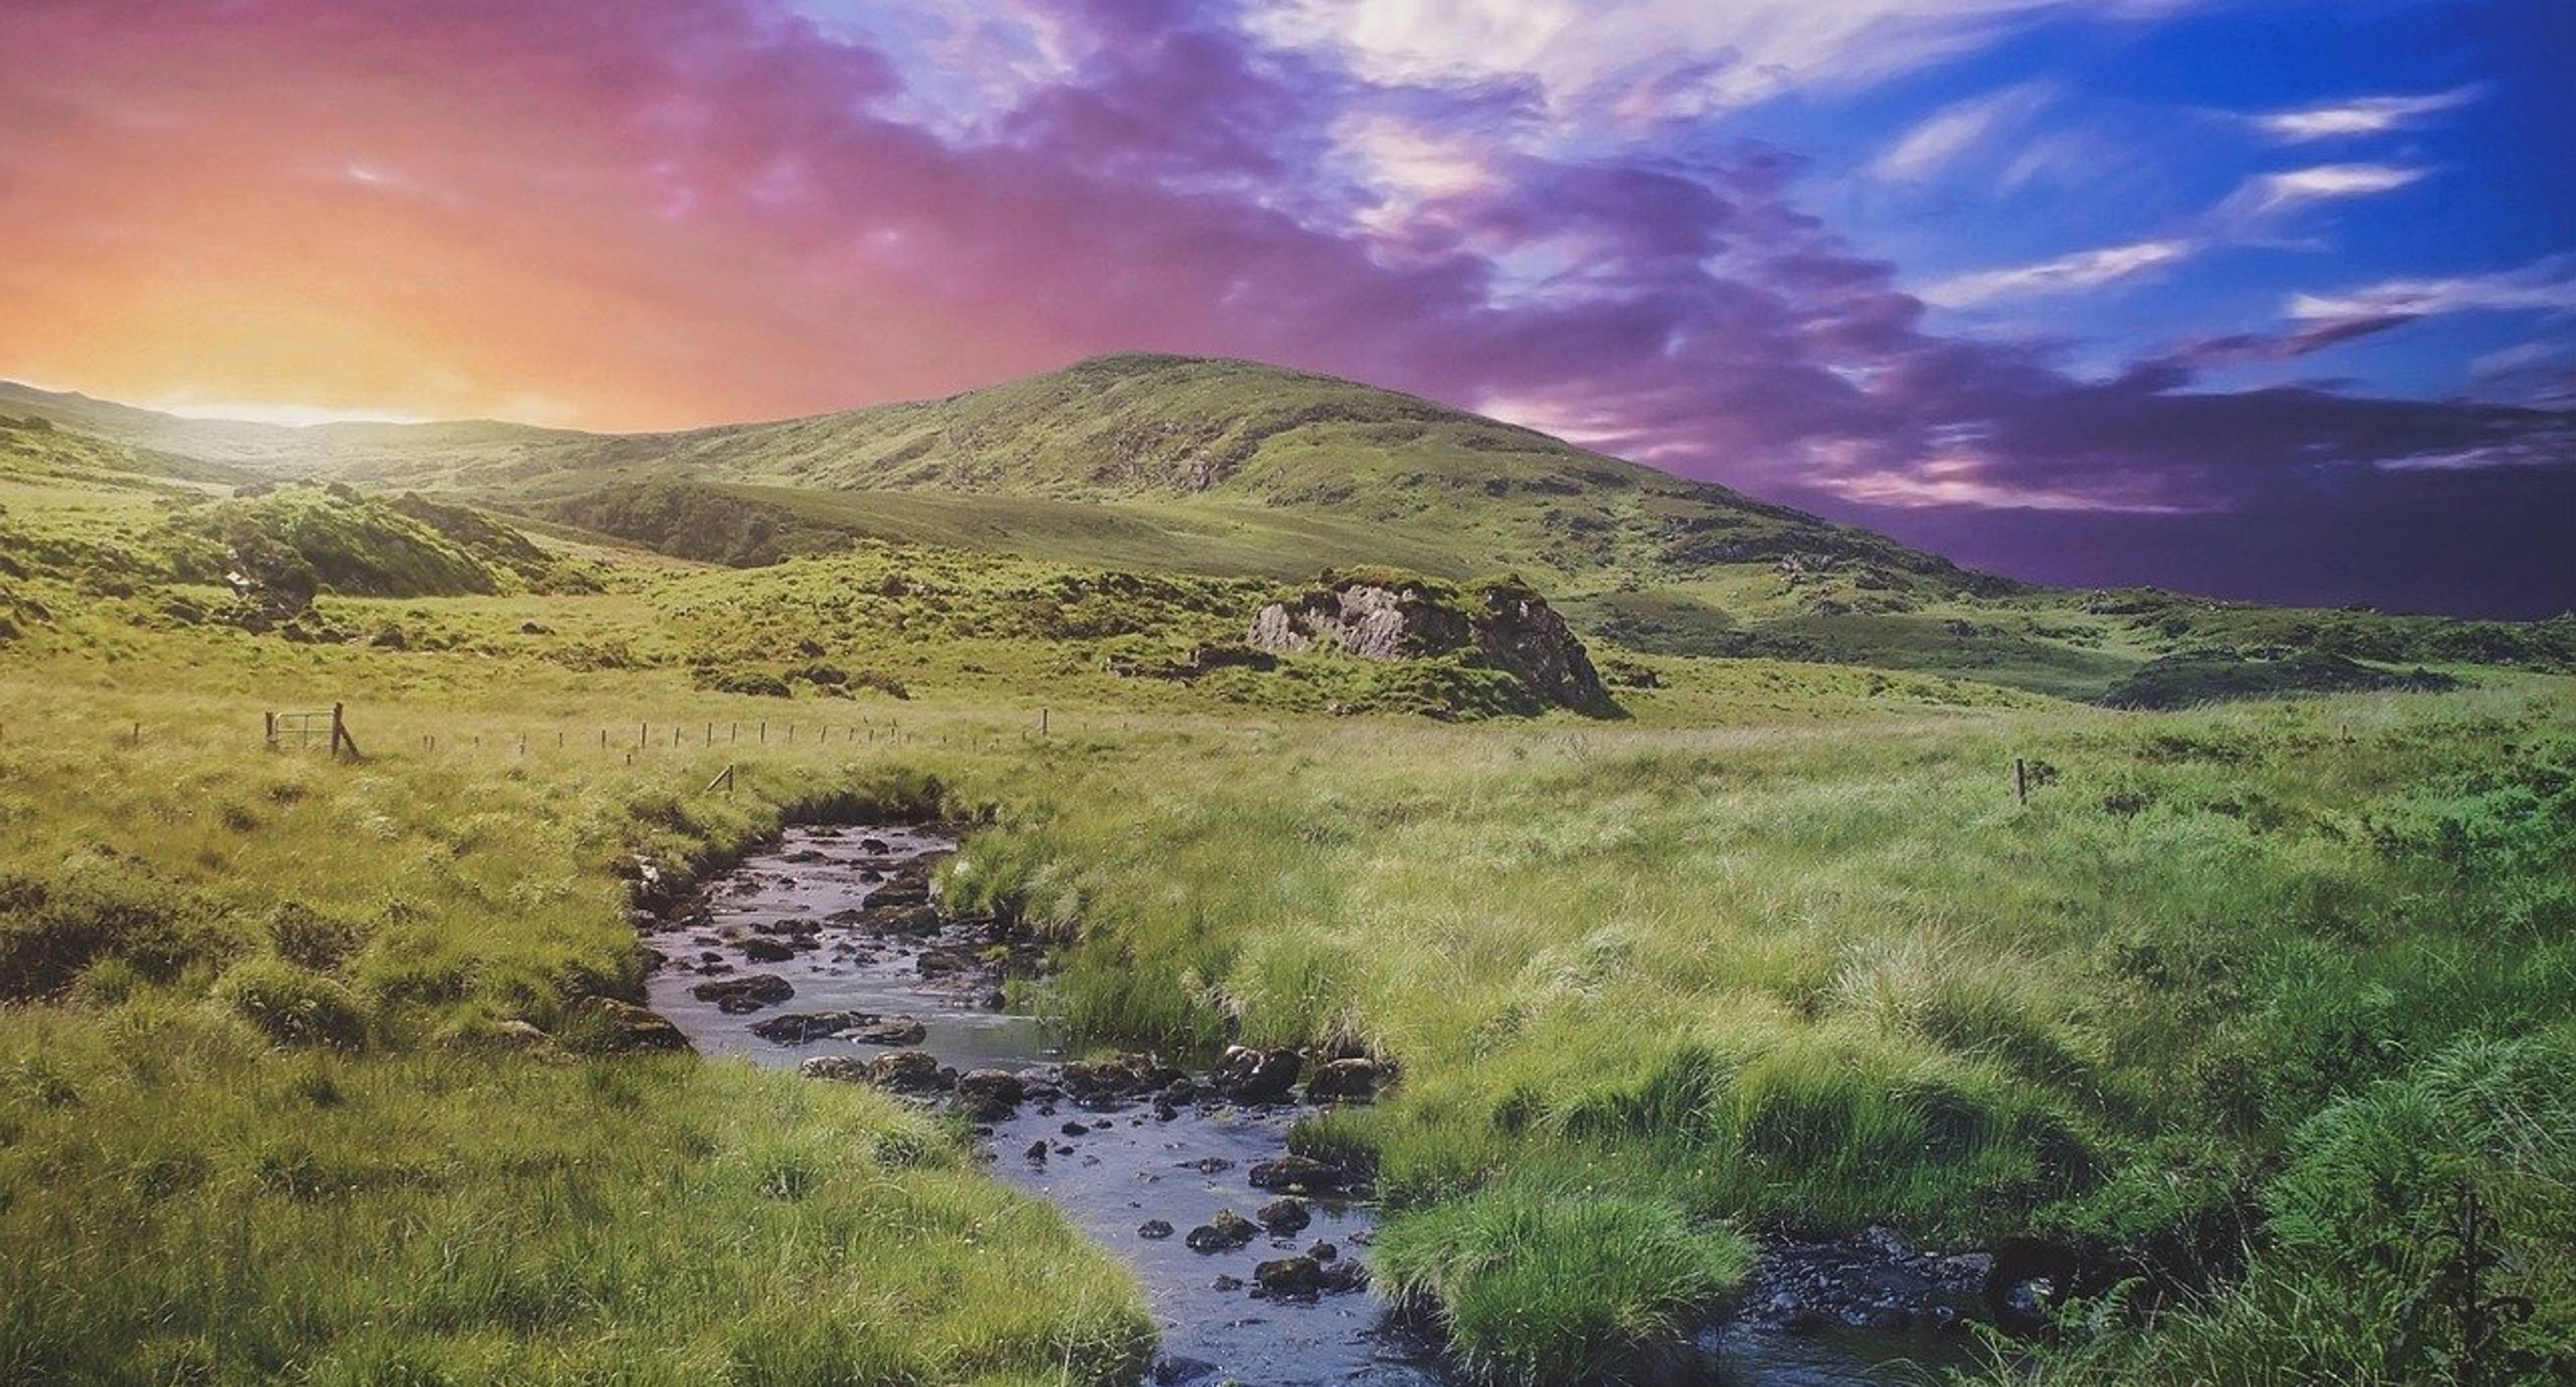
pixel 293 1005
pixel 1548 1286
pixel 101 907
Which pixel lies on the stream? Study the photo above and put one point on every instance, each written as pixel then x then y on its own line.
pixel 835 920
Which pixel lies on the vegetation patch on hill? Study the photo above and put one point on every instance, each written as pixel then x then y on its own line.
pixel 2219 676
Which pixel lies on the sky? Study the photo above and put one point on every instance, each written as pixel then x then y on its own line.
pixel 2257 298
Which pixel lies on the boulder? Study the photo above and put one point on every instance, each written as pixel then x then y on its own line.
pixel 893 1030
pixel 1343 1080
pixel 1300 1173
pixel 1256 1076
pixel 845 1069
pixel 907 1071
pixel 806 1027
pixel 1224 1233
pixel 1154 1229
pixel 624 1026
pixel 1503 624
pixel 1120 1076
pixel 1341 1277
pixel 1284 1216
pixel 750 992
pixel 989 1094
pixel 1289 1278
pixel 912 921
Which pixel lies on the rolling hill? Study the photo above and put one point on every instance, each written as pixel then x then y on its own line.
pixel 1236 469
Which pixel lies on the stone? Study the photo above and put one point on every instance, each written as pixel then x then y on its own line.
pixel 1298 1173
pixel 1120 1076
pixel 1256 1076
pixel 843 1069
pixel 749 992
pixel 806 1027
pixel 1341 1278
pixel 906 1071
pixel 989 1094
pixel 895 1030
pixel 1154 1228
pixel 1323 1252
pixel 1290 1278
pixel 1504 625
pixel 1343 1080
pixel 915 921
pixel 1224 1233
pixel 1172 1370
pixel 1284 1216
pixel 624 1026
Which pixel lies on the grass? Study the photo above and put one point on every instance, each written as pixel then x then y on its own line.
pixel 2240 1001
pixel 1575 1286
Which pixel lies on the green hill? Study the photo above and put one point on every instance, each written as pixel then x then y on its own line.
pixel 1234 469
pixel 1215 439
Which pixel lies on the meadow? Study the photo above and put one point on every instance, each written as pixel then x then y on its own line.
pixel 2262 1012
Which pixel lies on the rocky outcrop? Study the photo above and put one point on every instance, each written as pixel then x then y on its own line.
pixel 1503 625
pixel 624 1027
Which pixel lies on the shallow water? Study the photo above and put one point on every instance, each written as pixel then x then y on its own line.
pixel 1126 1166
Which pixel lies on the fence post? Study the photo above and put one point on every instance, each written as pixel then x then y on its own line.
pixel 271 719
pixel 340 737
pixel 1042 722
pixel 2021 782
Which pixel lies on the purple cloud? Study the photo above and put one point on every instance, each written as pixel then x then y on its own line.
pixel 742 194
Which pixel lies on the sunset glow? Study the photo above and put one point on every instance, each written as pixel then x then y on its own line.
pixel 2194 291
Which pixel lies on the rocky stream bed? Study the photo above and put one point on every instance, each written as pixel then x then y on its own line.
pixel 825 953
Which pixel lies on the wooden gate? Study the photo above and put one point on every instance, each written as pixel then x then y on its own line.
pixel 329 725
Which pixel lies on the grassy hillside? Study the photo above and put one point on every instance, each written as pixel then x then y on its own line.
pixel 1232 469
pixel 302 1072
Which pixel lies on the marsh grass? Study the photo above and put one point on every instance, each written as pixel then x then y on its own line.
pixel 1782 952
pixel 182 1203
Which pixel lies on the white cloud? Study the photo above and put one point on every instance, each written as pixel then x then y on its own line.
pixel 1964 480
pixel 2367 115
pixel 2086 269
pixel 2514 360
pixel 2548 285
pixel 2269 193
pixel 1692 56
pixel 1406 164
pixel 1941 137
